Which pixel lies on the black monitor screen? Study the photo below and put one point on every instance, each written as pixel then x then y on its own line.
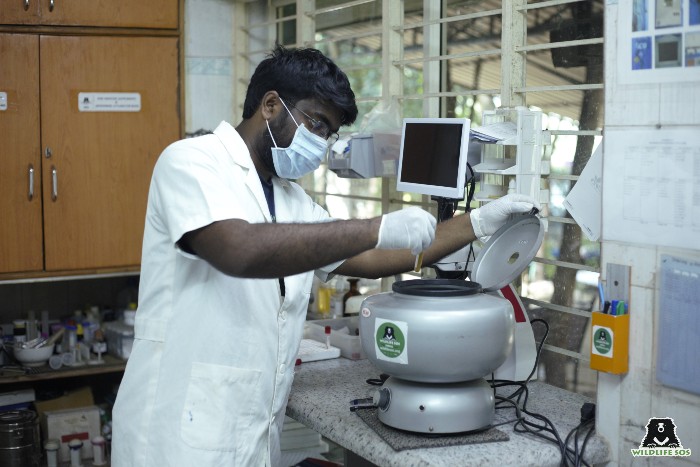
pixel 431 153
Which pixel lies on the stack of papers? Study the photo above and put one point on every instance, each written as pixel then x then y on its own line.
pixel 494 132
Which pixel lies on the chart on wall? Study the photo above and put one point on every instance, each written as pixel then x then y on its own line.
pixel 659 41
pixel 652 195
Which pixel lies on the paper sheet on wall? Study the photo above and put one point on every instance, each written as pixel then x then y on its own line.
pixel 584 200
pixel 651 186
pixel 679 324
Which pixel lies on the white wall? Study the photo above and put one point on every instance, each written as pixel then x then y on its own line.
pixel 209 63
pixel 625 403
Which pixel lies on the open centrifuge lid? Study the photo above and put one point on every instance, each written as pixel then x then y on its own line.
pixel 508 252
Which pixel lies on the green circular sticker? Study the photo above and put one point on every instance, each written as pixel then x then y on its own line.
pixel 390 340
pixel 602 340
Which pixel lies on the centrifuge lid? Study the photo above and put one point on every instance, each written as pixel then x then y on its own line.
pixel 508 252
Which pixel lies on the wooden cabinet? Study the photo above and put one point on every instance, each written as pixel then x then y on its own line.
pixel 92 170
pixel 102 13
pixel 20 155
pixel 74 175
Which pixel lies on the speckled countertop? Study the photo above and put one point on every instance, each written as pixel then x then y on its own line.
pixel 321 396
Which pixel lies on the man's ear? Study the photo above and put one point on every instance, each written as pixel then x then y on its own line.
pixel 270 105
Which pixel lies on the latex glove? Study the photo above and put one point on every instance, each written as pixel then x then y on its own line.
pixel 411 228
pixel 487 219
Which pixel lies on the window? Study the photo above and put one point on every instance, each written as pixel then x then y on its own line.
pixel 452 58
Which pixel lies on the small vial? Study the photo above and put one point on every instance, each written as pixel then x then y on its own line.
pixel 327 331
pixel 51 447
pixel 71 338
pixel 75 446
pixel 98 450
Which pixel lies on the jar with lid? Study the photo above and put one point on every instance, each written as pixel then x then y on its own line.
pixel 19 330
pixel 353 292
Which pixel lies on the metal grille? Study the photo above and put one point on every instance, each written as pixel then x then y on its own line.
pixel 460 58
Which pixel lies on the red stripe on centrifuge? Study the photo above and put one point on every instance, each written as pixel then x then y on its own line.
pixel 509 294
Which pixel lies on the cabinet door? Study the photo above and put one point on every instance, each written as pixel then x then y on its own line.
pixel 111 13
pixel 19 11
pixel 96 181
pixel 20 153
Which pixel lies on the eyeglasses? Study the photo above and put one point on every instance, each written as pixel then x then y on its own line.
pixel 320 128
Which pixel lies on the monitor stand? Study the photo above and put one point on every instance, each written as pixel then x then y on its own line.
pixel 446 210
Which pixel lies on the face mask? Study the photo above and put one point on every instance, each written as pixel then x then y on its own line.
pixel 304 154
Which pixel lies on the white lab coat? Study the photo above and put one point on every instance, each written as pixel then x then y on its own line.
pixel 213 358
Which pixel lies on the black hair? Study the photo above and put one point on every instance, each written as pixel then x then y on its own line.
pixel 301 73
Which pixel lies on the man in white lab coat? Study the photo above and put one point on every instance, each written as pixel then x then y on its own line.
pixel 230 248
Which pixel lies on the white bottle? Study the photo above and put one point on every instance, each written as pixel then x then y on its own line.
pixel 98 450
pixel 75 446
pixel 51 447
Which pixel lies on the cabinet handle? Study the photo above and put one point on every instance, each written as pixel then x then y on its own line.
pixel 54 183
pixel 26 5
pixel 31 182
pixel 50 5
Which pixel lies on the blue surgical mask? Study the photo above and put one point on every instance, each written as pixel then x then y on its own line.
pixel 304 154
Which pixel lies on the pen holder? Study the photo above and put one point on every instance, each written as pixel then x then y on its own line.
pixel 610 342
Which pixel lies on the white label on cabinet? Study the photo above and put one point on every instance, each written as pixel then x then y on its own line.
pixel 109 101
pixel 3 101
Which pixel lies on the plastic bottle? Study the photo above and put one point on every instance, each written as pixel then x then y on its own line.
pixel 19 330
pixel 51 447
pixel 75 446
pixel 338 298
pixel 32 329
pixel 353 292
pixel 98 450
pixel 324 300
pixel 70 338
pixel 129 316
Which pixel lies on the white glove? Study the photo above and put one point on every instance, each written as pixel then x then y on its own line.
pixel 487 219
pixel 411 228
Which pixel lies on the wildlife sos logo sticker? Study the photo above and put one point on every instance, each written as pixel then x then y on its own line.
pixel 602 341
pixel 390 340
pixel 661 440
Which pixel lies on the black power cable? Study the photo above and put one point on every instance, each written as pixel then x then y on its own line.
pixel 539 425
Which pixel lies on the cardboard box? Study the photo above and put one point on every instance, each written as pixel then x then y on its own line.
pixel 65 425
pixel 81 397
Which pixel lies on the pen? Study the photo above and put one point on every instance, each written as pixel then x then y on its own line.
pixel 621 308
pixel 606 307
pixel 613 307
